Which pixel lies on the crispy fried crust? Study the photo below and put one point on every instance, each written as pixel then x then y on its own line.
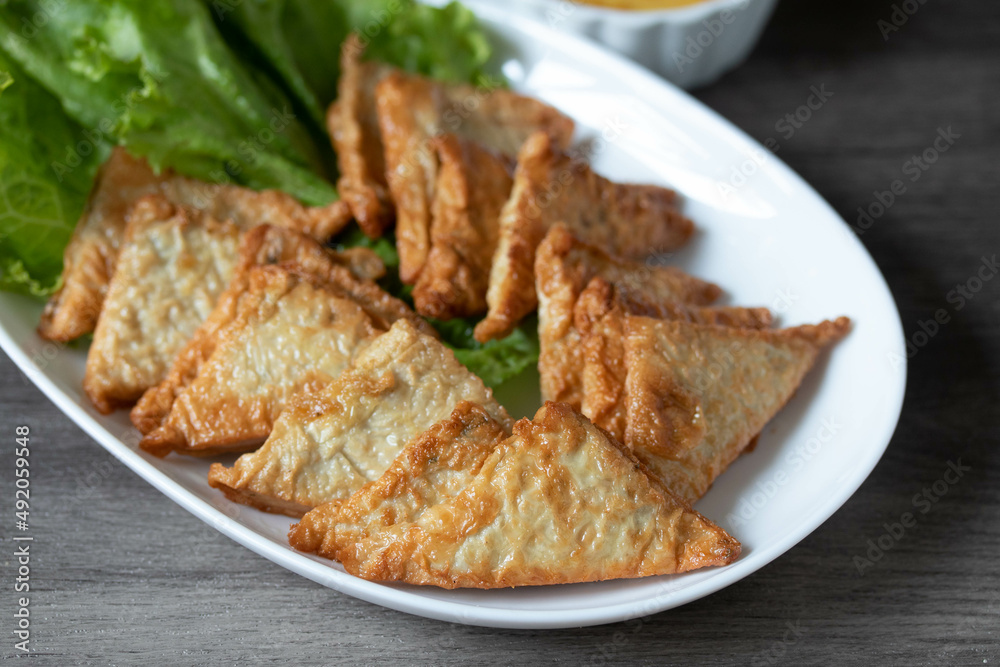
pixel 412 110
pixel 89 259
pixel 330 443
pixel 362 262
pixel 348 273
pixel 563 267
pixel 291 332
pixel 171 269
pixel 434 467
pixel 353 125
pixel 249 208
pixel 558 502
pixel 631 221
pixel 472 186
pixel 696 395
pixel 599 317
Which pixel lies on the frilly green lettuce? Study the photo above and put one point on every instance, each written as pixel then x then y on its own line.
pixel 39 203
pixel 221 90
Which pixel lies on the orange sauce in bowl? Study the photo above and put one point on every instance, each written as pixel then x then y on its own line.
pixel 641 4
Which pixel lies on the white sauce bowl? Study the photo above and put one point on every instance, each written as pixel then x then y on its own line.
pixel 691 46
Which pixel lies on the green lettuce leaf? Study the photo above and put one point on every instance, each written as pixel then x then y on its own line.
pixel 498 360
pixel 298 41
pixel 157 77
pixel 39 204
pixel 217 89
pixel 444 43
pixel 494 362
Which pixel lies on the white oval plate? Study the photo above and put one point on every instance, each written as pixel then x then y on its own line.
pixel 771 241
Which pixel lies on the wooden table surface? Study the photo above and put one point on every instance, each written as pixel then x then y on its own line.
pixel 122 575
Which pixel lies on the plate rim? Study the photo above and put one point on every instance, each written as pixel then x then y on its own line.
pixel 467 613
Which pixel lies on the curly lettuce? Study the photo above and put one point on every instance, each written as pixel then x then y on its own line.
pixel 220 90
pixel 494 362
pixel 157 77
pixel 497 361
pixel 39 203
pixel 298 41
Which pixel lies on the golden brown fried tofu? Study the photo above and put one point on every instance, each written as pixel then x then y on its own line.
pixel 290 332
pixel 599 317
pixel 248 208
pixel 696 395
pixel 563 267
pixel 472 186
pixel 434 467
pixel 172 266
pixel 624 220
pixel 353 125
pixel 350 274
pixel 332 442
pixel 89 259
pixel 558 502
pixel 412 110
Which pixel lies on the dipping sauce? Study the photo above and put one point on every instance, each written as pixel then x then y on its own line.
pixel 641 4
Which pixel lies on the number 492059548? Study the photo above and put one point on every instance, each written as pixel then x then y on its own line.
pixel 21 466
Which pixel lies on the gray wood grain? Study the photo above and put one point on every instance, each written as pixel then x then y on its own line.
pixel 122 575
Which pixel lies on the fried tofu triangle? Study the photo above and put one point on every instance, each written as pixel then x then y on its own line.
pixel 413 109
pixel 331 442
pixel 434 467
pixel 472 186
pixel 696 395
pixel 563 267
pixel 353 125
pixel 558 502
pixel 171 269
pixel 350 274
pixel 625 220
pixel 599 317
pixel 290 331
pixel 90 256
